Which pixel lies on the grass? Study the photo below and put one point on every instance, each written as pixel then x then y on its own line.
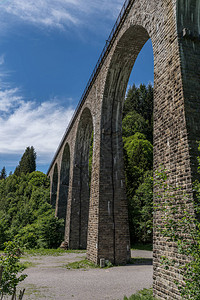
pixel 140 261
pixel 38 293
pixel 148 247
pixel 145 294
pixel 50 252
pixel 27 264
pixel 81 264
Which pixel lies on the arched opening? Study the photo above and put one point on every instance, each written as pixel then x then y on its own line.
pixel 61 209
pixel 137 134
pixel 81 182
pixel 115 204
pixel 54 187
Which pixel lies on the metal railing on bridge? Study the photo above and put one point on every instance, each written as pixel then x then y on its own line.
pixel 109 42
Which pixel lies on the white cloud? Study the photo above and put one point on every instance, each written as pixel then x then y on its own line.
pixel 57 13
pixel 31 124
pixel 9 99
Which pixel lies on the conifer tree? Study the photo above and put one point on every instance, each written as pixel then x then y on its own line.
pixel 3 173
pixel 27 163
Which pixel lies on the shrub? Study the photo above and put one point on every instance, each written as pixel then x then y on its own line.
pixel 9 263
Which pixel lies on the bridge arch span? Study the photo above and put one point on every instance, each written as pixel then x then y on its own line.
pixel 54 186
pixel 113 204
pixel 61 205
pixel 77 228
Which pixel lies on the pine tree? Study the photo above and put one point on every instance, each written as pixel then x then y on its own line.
pixel 3 173
pixel 27 163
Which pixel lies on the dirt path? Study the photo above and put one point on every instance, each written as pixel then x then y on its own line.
pixel 49 279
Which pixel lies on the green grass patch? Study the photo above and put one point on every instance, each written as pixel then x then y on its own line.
pixel 145 294
pixel 81 264
pixel 141 261
pixel 50 252
pixel 38 293
pixel 27 264
pixel 148 247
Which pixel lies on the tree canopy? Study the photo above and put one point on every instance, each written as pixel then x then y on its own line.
pixel 25 210
pixel 137 131
pixel 3 173
pixel 27 163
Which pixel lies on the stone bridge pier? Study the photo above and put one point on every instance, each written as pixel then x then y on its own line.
pixel 95 209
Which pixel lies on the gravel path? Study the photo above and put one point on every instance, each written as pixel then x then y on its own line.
pixel 49 279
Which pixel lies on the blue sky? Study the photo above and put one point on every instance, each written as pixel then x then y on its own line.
pixel 48 49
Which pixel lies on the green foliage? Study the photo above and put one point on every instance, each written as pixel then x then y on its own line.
pixel 27 163
pixel 11 267
pixel 147 247
pixel 139 151
pixel 134 122
pixel 50 252
pixel 140 100
pixel 180 226
pixel 3 173
pixel 26 213
pixel 141 211
pixel 137 130
pixel 81 264
pixel 145 294
pixel 138 158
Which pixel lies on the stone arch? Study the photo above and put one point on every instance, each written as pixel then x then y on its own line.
pixel 54 187
pixel 81 190
pixel 176 124
pixel 61 207
pixel 118 75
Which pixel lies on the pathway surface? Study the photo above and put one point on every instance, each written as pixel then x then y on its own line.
pixel 49 279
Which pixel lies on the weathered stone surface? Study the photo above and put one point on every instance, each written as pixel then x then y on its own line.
pixel 174 29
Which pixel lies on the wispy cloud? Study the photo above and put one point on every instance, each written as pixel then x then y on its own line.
pixel 57 13
pixel 29 123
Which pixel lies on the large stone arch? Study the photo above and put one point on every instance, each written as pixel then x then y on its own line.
pixel 61 205
pixel 176 124
pixel 77 228
pixel 114 240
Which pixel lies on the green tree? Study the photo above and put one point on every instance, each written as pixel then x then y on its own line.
pixel 9 264
pixel 3 173
pixel 140 100
pixel 27 163
pixel 137 131
pixel 134 122
pixel 139 151
pixel 26 213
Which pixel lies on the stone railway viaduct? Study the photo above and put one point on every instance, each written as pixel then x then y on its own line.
pixel 96 216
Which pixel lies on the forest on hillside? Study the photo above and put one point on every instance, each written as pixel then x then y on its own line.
pixel 25 210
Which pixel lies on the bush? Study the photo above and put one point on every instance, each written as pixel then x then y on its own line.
pixel 9 262
pixel 145 294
